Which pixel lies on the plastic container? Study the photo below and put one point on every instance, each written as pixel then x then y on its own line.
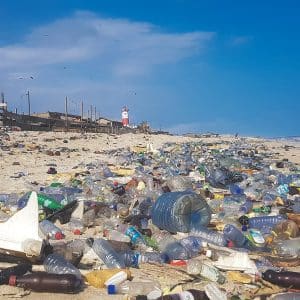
pixel 265 221
pixel 132 288
pixel 180 211
pixel 289 248
pixel 48 202
pixel 209 236
pixel 134 259
pixel 100 278
pixel 18 270
pixel 45 282
pixel 285 278
pixel 50 230
pixel 197 267
pixel 231 233
pixel 135 236
pixel 246 207
pixel 55 263
pixel 107 254
pixel 76 226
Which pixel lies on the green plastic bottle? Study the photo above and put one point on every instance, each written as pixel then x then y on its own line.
pixel 49 202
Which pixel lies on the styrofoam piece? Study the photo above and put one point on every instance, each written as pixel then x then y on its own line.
pixel 22 229
pixel 236 261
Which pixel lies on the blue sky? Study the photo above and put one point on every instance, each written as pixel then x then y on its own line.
pixel 184 66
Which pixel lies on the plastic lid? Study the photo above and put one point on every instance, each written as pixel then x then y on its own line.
pixel 208 253
pixel 12 280
pixel 230 244
pixel 111 289
pixel 77 232
pixel 58 236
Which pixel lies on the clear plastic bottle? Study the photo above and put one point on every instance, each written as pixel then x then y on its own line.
pixel 197 267
pixel 231 233
pixel 246 207
pixel 287 248
pixel 265 221
pixel 209 236
pixel 107 254
pixel 132 288
pixel 179 211
pixel 163 238
pixel 115 235
pixel 50 230
pixel 55 263
pixel 134 259
pixel 135 236
pixel 76 226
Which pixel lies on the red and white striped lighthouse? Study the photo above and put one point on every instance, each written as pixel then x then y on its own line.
pixel 125 117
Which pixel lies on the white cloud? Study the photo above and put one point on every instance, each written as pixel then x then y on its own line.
pixel 240 40
pixel 86 55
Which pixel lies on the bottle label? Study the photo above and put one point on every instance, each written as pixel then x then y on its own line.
pixel 257 236
pixel 209 273
pixel 133 234
pixel 186 296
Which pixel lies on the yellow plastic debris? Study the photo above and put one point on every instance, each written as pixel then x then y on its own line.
pixel 99 277
pixel 239 277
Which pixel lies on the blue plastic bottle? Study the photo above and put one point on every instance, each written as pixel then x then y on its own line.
pixel 265 221
pixel 180 211
pixel 231 233
pixel 209 236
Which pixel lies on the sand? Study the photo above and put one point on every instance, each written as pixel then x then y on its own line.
pixel 27 158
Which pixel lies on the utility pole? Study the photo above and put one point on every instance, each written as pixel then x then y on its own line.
pixel 28 100
pixel 95 119
pixel 81 115
pixel 2 97
pixel 66 113
pixel 91 113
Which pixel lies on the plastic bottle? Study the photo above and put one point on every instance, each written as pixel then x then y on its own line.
pixel 132 288
pixel 50 230
pixel 246 207
pixel 48 202
pixel 285 278
pixel 45 282
pixel 186 295
pixel 196 267
pixel 18 270
pixel 214 293
pixel 55 263
pixel 231 233
pixel 115 235
pixel 285 230
pixel 235 189
pixel 286 296
pixel 288 248
pixel 265 221
pixel 134 259
pixel 76 226
pixel 63 214
pixel 107 254
pixel 135 236
pixel 102 278
pixel 180 211
pixel 163 238
pixel 210 236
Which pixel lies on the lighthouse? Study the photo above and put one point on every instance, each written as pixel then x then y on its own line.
pixel 125 118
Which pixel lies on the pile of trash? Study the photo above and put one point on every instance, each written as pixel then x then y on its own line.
pixel 225 221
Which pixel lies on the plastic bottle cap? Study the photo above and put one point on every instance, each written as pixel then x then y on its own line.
pixel 12 280
pixel 230 244
pixel 111 289
pixel 208 253
pixel 58 236
pixel 77 232
pixel 178 263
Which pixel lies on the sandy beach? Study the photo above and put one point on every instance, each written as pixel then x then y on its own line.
pixel 28 155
